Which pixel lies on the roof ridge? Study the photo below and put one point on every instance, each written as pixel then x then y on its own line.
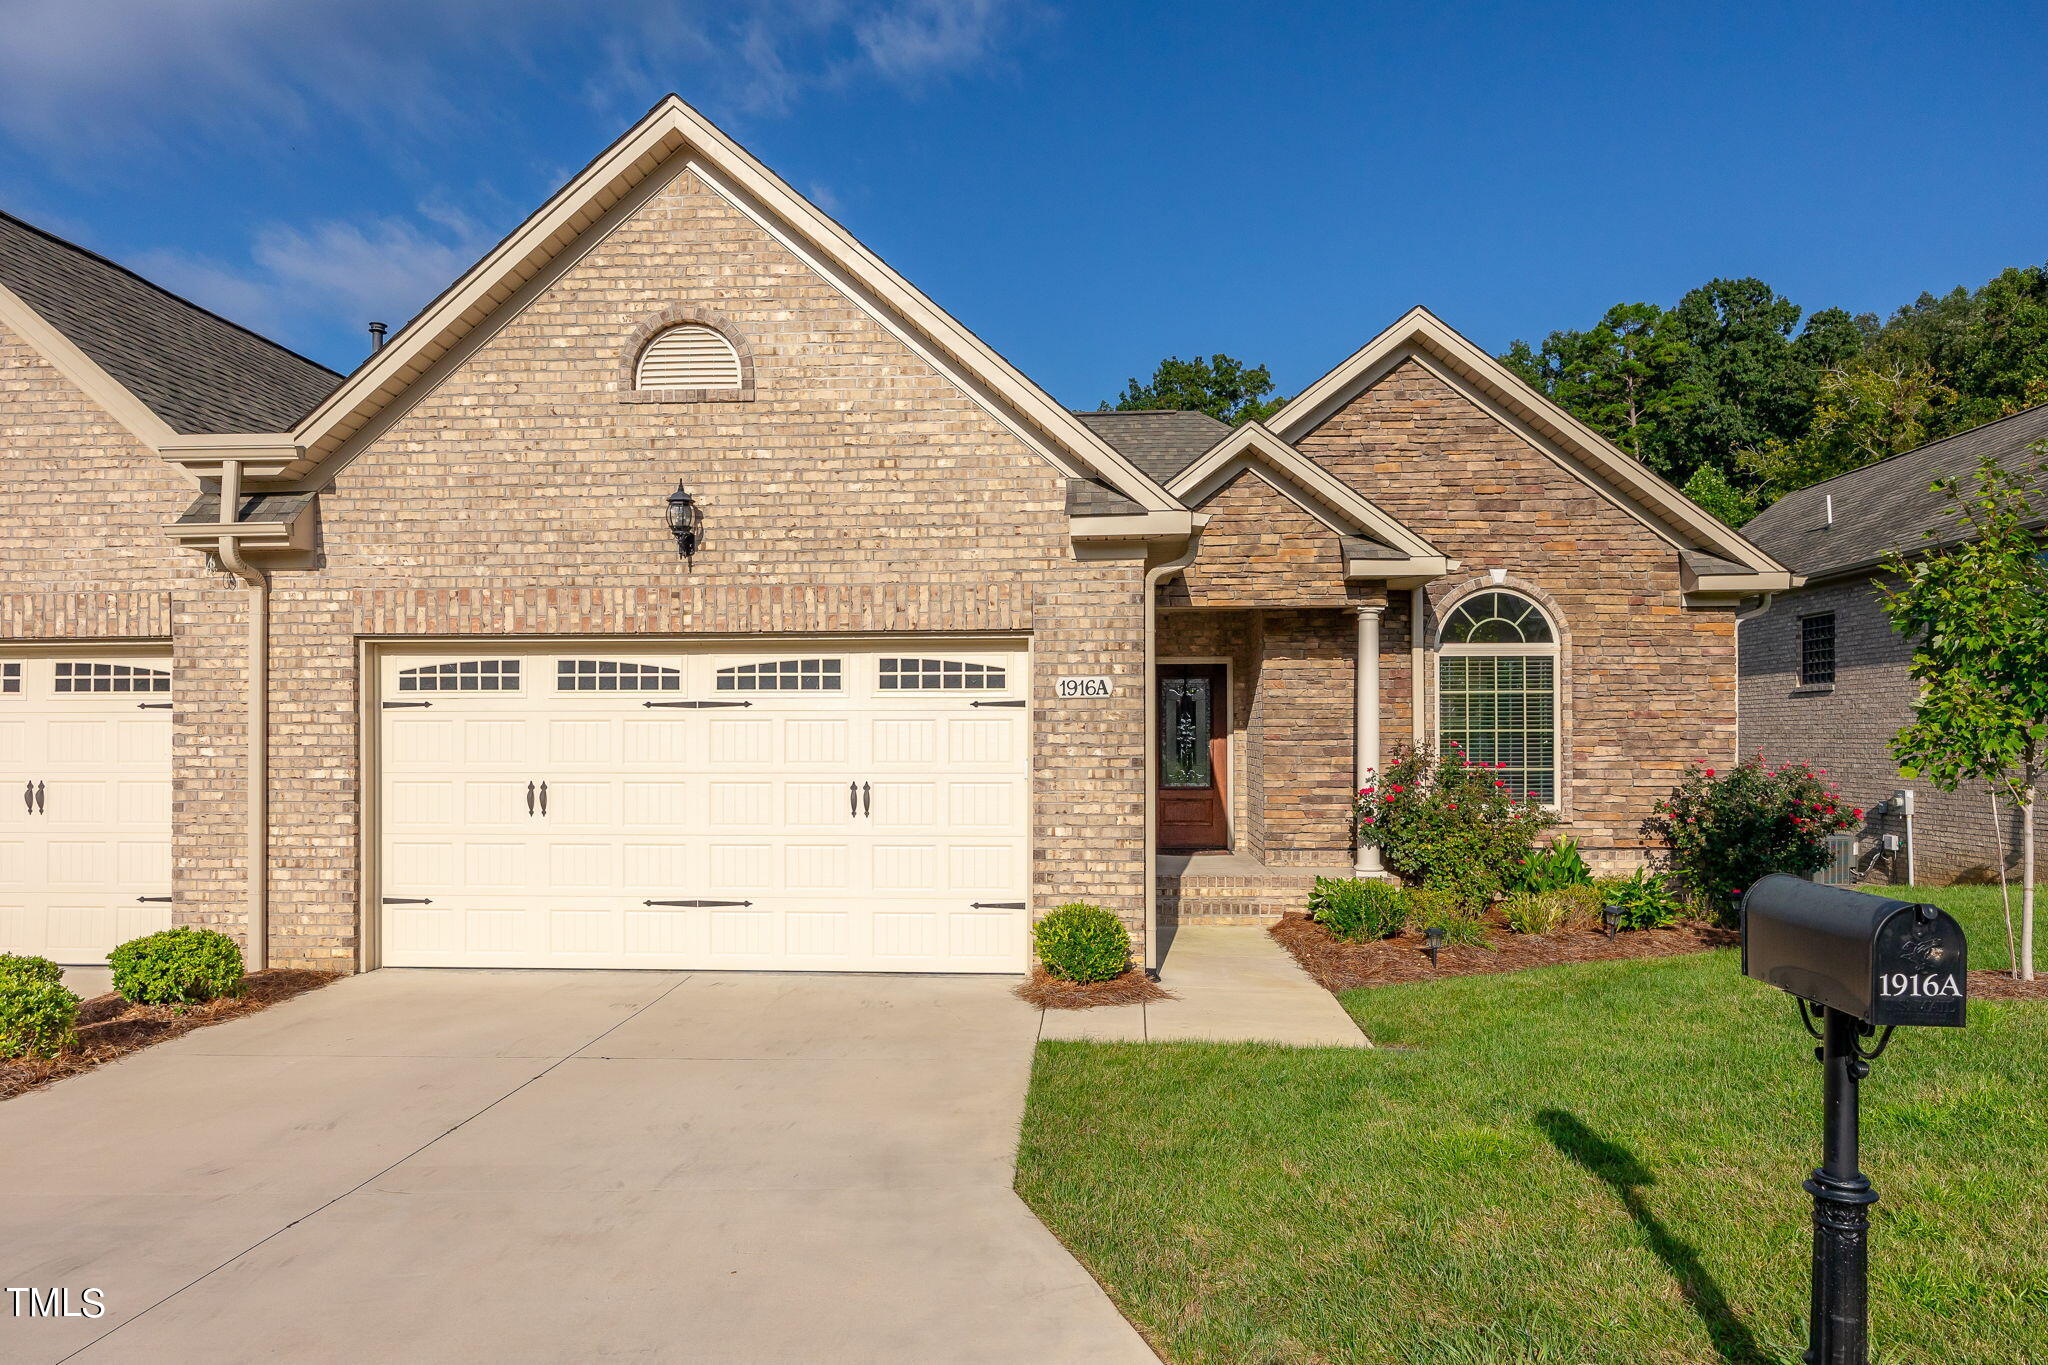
pixel 1924 445
pixel 148 283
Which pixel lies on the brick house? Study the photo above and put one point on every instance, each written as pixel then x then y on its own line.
pixel 1824 675
pixel 683 588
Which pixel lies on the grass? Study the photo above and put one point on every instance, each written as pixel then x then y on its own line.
pixel 1978 910
pixel 1587 1163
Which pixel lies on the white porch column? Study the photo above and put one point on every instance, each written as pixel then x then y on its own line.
pixel 1367 727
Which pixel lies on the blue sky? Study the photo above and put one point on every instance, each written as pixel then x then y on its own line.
pixel 1088 186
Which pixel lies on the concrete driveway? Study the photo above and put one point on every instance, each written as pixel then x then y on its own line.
pixel 570 1166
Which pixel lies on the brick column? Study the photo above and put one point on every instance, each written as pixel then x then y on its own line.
pixel 1367 731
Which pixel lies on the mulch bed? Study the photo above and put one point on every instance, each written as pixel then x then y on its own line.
pixel 1049 992
pixel 2001 986
pixel 110 1028
pixel 1340 966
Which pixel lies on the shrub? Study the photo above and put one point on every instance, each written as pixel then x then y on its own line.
pixel 1723 831
pixel 1356 909
pixel 1645 900
pixel 20 967
pixel 1554 868
pixel 1450 908
pixel 1447 820
pixel 1536 912
pixel 37 1018
pixel 182 966
pixel 1082 942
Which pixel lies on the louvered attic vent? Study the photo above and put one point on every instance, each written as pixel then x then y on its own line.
pixel 688 356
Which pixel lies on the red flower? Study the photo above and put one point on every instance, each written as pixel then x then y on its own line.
pixel 1452 805
pixel 1710 772
pixel 1857 813
pixel 1398 787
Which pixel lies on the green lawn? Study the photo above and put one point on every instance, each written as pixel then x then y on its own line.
pixel 1576 1164
pixel 1978 910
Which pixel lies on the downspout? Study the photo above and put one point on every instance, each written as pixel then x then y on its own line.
pixel 256 936
pixel 1741 616
pixel 1154 576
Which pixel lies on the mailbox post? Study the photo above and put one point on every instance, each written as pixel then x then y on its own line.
pixel 1861 964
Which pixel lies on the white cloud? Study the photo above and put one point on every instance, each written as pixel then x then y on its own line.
pixel 383 269
pixel 170 72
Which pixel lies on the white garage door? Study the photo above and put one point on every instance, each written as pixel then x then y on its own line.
pixel 85 803
pixel 806 808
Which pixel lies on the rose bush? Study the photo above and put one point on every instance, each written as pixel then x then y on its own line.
pixel 1722 831
pixel 1446 821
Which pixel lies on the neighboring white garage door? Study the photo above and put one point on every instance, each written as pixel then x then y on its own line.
pixel 85 802
pixel 810 808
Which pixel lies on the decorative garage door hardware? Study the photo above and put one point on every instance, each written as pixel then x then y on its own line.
pixel 405 705
pixel 408 900
pixel 152 900
pixel 696 905
pixel 543 798
pixel 996 905
pixel 152 706
pixel 32 797
pixel 696 705
pixel 1018 702
pixel 860 799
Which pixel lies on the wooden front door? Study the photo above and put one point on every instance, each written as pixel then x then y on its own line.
pixel 1194 757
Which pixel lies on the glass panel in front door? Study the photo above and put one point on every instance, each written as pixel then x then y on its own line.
pixel 1184 723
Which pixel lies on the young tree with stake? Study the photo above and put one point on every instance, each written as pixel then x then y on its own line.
pixel 1977 613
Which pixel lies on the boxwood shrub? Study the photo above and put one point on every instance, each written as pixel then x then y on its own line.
pixel 1356 909
pixel 22 967
pixel 182 966
pixel 1082 942
pixel 37 1018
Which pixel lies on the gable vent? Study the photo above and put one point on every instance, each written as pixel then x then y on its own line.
pixel 689 356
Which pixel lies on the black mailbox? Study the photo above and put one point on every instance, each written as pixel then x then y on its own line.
pixel 1876 959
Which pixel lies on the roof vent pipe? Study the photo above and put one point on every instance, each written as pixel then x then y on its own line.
pixel 377 331
pixel 1830 511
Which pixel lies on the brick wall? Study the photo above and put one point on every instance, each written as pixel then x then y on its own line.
pixel 1648 684
pixel 1261 549
pixel 1847 729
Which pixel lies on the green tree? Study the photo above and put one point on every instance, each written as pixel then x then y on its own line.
pixel 1219 385
pixel 1978 615
pixel 1742 383
pixel 1710 488
pixel 1612 377
pixel 1864 411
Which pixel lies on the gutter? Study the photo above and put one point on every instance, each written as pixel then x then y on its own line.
pixel 1154 576
pixel 256 932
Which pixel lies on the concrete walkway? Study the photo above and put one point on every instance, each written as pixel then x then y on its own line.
pixel 554 1166
pixel 1234 983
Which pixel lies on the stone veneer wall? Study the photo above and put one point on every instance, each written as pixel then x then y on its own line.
pixel 1648 683
pixel 1847 729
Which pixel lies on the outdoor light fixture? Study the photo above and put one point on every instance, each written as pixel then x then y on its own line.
pixel 685 521
pixel 1433 938
pixel 1610 915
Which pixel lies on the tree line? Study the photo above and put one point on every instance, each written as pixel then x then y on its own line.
pixel 1728 394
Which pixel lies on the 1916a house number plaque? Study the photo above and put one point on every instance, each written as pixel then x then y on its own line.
pixel 1081 687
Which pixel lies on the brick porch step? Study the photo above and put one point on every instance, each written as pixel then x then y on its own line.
pixel 1233 898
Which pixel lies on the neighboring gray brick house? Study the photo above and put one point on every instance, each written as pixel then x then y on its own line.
pixel 1824 675
pixel 682 588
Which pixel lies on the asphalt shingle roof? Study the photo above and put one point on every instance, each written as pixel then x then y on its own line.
pixel 1161 443
pixel 1089 498
pixel 1889 505
pixel 205 509
pixel 199 372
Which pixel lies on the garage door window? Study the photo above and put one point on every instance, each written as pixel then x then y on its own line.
pixel 10 677
pixel 85 677
pixel 467 675
pixel 610 675
pixel 940 675
pixel 782 675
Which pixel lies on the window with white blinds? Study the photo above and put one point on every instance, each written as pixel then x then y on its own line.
pixel 688 356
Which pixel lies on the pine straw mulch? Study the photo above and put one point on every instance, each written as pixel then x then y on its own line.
pixel 110 1028
pixel 1049 992
pixel 1339 966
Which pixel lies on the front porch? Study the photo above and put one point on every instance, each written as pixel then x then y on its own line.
pixel 1232 888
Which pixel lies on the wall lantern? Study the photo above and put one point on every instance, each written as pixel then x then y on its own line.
pixel 1610 915
pixel 685 521
pixel 1433 941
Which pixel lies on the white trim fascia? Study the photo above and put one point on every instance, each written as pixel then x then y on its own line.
pixel 1399 573
pixel 1255 443
pixel 1169 525
pixel 651 149
pixel 1420 330
pixel 82 371
pixel 263 456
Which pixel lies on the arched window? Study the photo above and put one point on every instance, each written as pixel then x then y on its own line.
pixel 1497 689
pixel 688 356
